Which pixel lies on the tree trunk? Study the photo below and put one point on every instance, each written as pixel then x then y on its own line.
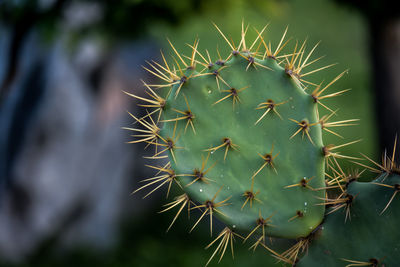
pixel 385 50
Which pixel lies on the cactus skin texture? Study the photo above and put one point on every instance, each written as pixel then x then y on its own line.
pixel 369 236
pixel 247 146
pixel 243 138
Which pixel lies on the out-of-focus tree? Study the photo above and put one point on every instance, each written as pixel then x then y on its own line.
pixel 383 20
pixel 123 19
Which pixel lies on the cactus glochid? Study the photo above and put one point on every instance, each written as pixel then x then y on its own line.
pixel 242 136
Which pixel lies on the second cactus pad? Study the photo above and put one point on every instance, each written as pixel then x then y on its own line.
pixel 364 232
pixel 245 143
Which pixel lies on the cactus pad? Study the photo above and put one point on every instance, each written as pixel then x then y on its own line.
pixel 365 233
pixel 242 135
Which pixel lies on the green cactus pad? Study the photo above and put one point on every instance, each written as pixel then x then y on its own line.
pixel 243 136
pixel 242 120
pixel 369 236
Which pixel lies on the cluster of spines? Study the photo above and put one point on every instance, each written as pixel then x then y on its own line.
pixel 178 75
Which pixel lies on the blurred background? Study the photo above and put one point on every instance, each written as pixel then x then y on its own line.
pixel 66 172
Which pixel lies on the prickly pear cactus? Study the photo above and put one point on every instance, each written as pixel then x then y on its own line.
pixel 242 136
